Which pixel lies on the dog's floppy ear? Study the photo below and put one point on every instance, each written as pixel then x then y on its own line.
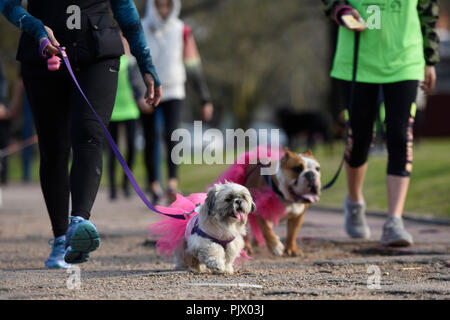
pixel 211 199
pixel 308 153
pixel 253 207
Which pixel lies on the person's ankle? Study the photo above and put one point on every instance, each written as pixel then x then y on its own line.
pixel 156 188
pixel 355 198
pixel 173 184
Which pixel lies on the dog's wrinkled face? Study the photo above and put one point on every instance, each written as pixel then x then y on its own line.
pixel 229 202
pixel 300 177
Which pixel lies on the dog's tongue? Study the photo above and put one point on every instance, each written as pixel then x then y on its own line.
pixel 311 197
pixel 239 215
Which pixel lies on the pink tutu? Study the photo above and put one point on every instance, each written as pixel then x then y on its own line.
pixel 169 231
pixel 268 204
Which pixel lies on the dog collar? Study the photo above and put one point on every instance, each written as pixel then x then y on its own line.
pixel 272 186
pixel 196 229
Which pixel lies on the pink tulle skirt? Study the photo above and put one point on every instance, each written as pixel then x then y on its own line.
pixel 170 232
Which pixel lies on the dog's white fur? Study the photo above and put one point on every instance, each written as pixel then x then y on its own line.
pixel 218 217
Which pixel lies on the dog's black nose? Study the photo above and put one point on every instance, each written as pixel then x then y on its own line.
pixel 238 201
pixel 310 177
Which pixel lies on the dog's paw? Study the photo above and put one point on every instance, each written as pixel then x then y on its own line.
pixel 218 270
pixel 229 269
pixel 215 267
pixel 277 249
pixel 294 252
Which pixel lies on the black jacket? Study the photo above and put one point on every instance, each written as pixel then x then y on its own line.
pixel 98 37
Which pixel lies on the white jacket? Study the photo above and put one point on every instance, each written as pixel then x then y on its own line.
pixel 165 39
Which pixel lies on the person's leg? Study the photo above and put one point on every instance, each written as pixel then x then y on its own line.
pixel 159 126
pixel 47 94
pixel 130 126
pixel 362 115
pixel 113 130
pixel 360 133
pixel 99 82
pixel 171 112
pixel 400 111
pixel 148 125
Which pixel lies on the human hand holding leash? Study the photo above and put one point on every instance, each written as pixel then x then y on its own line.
pixel 153 94
pixel 429 82
pixel 52 47
pixel 353 21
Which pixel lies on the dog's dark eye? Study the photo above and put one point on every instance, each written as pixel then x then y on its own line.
pixel 229 199
pixel 298 169
pixel 318 169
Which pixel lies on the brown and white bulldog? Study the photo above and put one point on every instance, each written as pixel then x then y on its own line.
pixel 295 185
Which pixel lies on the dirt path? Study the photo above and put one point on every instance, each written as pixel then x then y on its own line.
pixel 126 266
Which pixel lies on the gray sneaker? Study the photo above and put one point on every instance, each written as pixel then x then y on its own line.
pixel 355 219
pixel 394 233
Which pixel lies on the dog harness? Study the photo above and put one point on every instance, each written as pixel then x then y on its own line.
pixel 196 230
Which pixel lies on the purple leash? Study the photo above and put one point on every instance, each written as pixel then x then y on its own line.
pixel 111 142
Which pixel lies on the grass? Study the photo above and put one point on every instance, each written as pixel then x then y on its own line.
pixel 428 193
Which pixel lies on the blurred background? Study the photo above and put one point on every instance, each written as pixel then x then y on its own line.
pixel 267 65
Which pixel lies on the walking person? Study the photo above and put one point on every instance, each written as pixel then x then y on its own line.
pixel 62 118
pixel 396 55
pixel 175 54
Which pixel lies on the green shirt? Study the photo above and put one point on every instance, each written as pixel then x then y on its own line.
pixel 125 107
pixel 390 54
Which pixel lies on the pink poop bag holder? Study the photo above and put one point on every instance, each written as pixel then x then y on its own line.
pixel 53 62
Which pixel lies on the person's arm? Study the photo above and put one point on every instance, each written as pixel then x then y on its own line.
pixel 138 86
pixel 17 15
pixel 332 8
pixel 194 70
pixel 429 13
pixel 335 9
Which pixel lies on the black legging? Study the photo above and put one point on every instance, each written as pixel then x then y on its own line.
pixel 171 112
pixel 64 120
pixel 130 126
pixel 399 98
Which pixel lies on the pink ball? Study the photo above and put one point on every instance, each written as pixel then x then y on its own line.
pixel 54 63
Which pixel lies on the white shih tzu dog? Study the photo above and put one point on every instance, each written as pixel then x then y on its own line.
pixel 213 234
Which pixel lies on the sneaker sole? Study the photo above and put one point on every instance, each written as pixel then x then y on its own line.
pixel 398 243
pixel 74 257
pixel 56 266
pixel 85 239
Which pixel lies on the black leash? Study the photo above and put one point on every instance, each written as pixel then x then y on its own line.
pixel 350 105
